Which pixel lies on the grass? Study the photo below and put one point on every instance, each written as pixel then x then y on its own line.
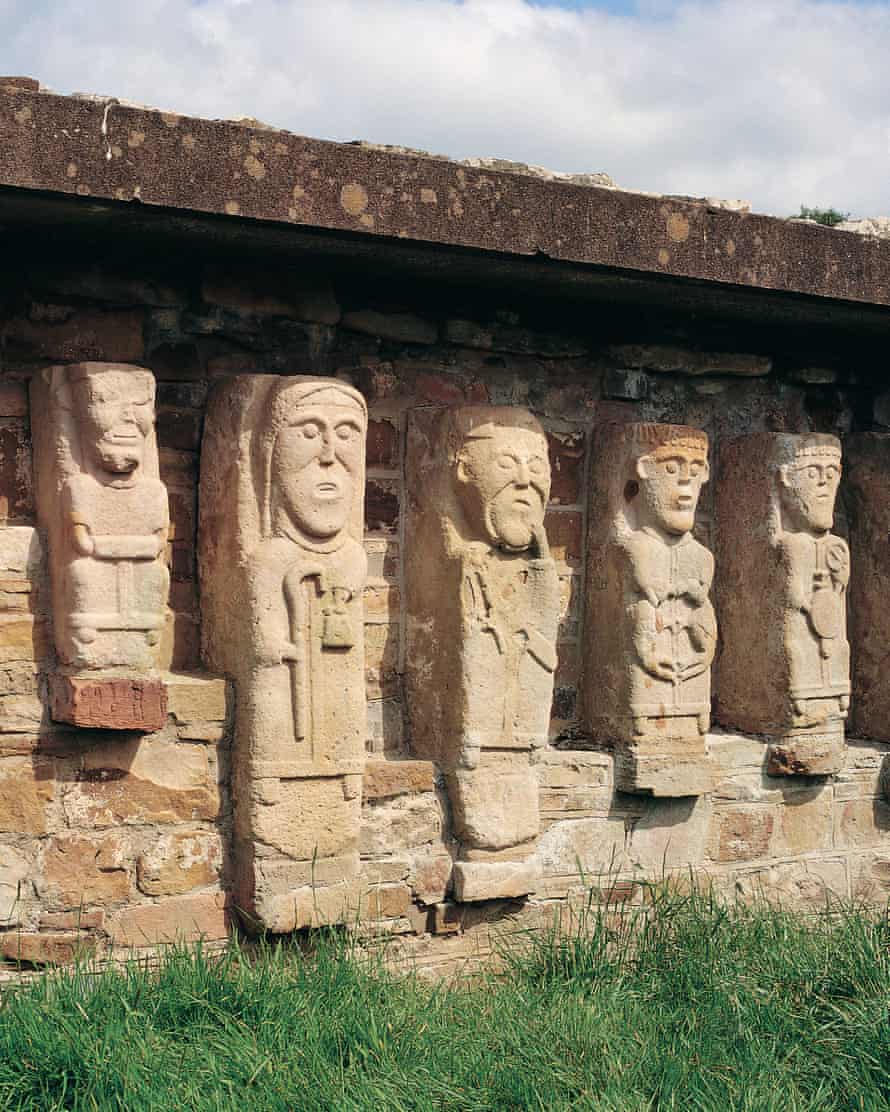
pixel 693 1006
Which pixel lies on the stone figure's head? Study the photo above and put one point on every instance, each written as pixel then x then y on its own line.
pixel 808 483
pixel 671 468
pixel 313 451
pixel 115 410
pixel 502 474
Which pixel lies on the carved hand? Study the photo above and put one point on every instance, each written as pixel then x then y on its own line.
pixel 83 541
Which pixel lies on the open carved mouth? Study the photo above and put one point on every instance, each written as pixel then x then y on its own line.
pixel 327 490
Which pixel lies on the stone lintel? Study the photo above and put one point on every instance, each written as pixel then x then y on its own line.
pixel 98 148
pixel 110 703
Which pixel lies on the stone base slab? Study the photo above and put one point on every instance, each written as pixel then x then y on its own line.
pixel 799 755
pixel 495 880
pixel 114 703
pixel 679 768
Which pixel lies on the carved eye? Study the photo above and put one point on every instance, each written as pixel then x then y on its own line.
pixel 813 473
pixel 505 462
pixel 671 467
pixel 695 469
pixel 537 466
pixel 832 473
pixel 310 430
pixel 346 432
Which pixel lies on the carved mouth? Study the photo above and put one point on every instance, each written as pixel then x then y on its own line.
pixel 327 490
pixel 522 500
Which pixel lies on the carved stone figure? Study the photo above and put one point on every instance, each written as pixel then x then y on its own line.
pixel 106 514
pixel 483 610
pixel 282 572
pixel 651 632
pixel 784 668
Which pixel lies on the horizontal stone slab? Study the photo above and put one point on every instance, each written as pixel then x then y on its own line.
pixel 117 703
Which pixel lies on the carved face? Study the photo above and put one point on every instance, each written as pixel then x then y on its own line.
pixel 809 488
pixel 116 414
pixel 671 479
pixel 317 462
pixel 504 484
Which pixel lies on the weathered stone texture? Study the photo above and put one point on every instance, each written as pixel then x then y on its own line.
pixel 784 665
pixel 282 484
pixel 482 596
pixel 651 632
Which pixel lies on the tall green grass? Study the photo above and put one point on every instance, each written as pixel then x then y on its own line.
pixel 690 1005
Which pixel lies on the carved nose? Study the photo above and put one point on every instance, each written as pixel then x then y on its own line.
pixel 327 450
pixel 522 474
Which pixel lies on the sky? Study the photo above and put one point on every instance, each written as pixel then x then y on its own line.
pixel 778 102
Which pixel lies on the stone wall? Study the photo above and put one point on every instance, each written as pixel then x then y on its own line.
pixel 110 837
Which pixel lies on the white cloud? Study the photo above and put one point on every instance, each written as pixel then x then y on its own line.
pixel 779 101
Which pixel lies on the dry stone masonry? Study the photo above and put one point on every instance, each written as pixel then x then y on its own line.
pixel 422 547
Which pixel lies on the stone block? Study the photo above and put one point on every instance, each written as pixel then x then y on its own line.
pixel 308 818
pixel 866 479
pixel 431 877
pixel 150 780
pixel 193 918
pixel 405 822
pixel 651 631
pixel 79 871
pixel 385 779
pixel 195 698
pixel 109 704
pixel 47 947
pixel 742 833
pixel 495 805
pixel 390 901
pixel 26 790
pixel 23 638
pixel 495 880
pixel 403 327
pixel 812 884
pixel 20 714
pixel 17 872
pixel 90 334
pixel 861 822
pixel 674 360
pixel 78 919
pixel 179 862
pixel 804 822
pixel 583 848
pixel 669 834
pixel 784 666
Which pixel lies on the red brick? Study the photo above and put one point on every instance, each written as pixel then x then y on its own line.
pixel 109 704
pixel 384 779
pixel 13 399
pixel 179 429
pixel 438 389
